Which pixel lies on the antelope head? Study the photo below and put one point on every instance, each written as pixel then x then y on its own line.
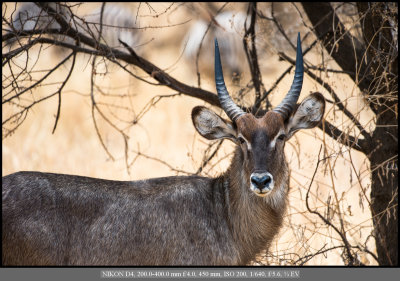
pixel 262 139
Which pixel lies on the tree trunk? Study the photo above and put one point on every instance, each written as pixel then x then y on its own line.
pixel 384 188
pixel 382 91
pixel 382 148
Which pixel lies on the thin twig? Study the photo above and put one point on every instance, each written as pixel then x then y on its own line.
pixel 352 260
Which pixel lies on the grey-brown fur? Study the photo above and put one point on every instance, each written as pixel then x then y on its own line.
pixel 54 219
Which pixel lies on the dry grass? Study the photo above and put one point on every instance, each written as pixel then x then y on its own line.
pixel 341 184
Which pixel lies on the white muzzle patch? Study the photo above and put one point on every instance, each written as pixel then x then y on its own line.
pixel 261 183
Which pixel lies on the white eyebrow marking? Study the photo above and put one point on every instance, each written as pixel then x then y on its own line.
pixel 273 142
pixel 247 142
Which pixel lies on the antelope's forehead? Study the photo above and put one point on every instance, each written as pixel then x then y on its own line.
pixel 270 124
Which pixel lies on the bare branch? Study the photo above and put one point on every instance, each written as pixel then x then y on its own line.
pixel 249 44
pixel 343 138
pixel 60 89
pixel 336 99
pixel 328 27
pixel 352 260
pixel 164 78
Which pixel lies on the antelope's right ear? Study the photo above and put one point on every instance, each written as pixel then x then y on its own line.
pixel 212 126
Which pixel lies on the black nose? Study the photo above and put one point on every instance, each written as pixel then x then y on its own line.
pixel 260 180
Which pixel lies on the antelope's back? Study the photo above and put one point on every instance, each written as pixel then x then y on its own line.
pixel 54 219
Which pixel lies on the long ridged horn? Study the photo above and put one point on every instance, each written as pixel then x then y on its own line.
pixel 287 105
pixel 230 108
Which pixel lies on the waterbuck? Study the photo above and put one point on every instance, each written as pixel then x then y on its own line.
pixel 118 22
pixel 228 27
pixel 55 219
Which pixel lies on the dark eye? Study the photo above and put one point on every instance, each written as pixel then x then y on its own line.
pixel 241 140
pixel 282 137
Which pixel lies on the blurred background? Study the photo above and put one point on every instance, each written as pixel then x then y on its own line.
pixel 112 120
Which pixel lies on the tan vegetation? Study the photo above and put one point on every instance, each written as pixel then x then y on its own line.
pixel 163 142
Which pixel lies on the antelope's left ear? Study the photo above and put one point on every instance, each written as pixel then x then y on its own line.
pixel 307 115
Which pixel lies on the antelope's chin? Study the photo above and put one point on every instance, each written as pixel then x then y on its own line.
pixel 262 193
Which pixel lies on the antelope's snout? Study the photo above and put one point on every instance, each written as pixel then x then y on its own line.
pixel 261 183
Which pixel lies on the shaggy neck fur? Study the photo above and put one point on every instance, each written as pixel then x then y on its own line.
pixel 253 220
